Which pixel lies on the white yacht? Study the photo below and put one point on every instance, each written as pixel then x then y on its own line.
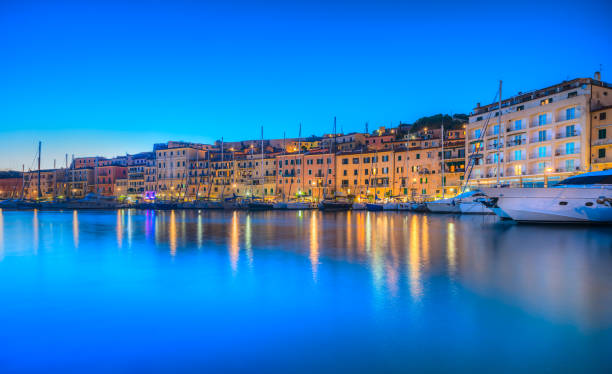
pixel 581 198
pixel 466 203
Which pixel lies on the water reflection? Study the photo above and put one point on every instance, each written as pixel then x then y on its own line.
pixel 234 246
pixel 314 245
pixel 557 272
pixel 75 228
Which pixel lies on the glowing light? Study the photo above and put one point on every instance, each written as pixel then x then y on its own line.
pixel 314 245
pixel 172 233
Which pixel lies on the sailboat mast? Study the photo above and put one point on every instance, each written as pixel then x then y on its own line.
pixel 499 132
pixel 261 168
pixel 443 164
pixel 39 148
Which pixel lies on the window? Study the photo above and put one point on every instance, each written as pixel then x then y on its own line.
pixel 546 101
pixel 355 172
pixel 570 113
pixel 399 158
pixel 345 173
pixel 418 156
pixel 520 108
pixel 602 116
pixel 355 160
pixel 518 155
pixel 385 158
pixel 542 119
pixel 572 94
pixel 601 134
pixel 541 136
pixel 518 124
pixel 569 148
pixel 602 153
pixel 569 165
pixel 496 130
pixel 541 151
pixel 345 161
pixel 366 160
pixel 477 133
pixel 569 131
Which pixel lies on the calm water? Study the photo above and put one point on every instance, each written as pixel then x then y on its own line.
pixel 189 291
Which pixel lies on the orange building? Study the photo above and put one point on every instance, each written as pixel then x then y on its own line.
pixel 106 177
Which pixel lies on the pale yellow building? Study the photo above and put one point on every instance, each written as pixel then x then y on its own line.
pixel 544 135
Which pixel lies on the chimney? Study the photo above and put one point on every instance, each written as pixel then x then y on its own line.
pixel 477 105
pixel 598 76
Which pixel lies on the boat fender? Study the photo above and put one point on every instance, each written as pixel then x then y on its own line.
pixel 604 201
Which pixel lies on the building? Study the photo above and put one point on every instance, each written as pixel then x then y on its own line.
pixel 319 170
pixel 11 184
pixel 77 183
pixel 173 165
pixel 601 138
pixel 106 177
pixel 544 135
pixel 289 175
pixel 48 184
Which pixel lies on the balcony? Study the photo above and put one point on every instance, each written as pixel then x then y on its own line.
pixel 602 141
pixel 515 143
pixel 537 123
pixel 563 152
pixel 536 155
pixel 567 170
pixel 491 161
pixel 563 135
pixel 540 140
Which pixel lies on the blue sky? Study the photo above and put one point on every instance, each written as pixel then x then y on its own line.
pixel 106 77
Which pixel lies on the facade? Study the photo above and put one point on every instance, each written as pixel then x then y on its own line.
pixel 319 170
pixel 173 166
pixel 106 177
pixel 544 135
pixel 77 183
pixel 11 185
pixel 601 138
pixel 49 180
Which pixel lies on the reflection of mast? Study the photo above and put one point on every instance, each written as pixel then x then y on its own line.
pixel 443 163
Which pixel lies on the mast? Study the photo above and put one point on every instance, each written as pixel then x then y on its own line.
pixel 72 187
pixel 300 158
pixel 39 147
pixel 196 174
pixel 443 166
pixel 499 131
pixel 261 168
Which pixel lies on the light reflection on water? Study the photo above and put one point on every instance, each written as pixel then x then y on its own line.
pixel 458 285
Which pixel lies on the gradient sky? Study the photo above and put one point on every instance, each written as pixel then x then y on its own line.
pixel 106 77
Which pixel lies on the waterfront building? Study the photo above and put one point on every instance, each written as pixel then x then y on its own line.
pixel 76 183
pixel 289 175
pixel 544 135
pixel 121 188
pixel 11 184
pixel 150 179
pixel 106 177
pixel 48 184
pixel 172 170
pixel 319 170
pixel 601 138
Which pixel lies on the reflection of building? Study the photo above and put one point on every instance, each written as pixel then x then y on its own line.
pixel 544 134
pixel 601 138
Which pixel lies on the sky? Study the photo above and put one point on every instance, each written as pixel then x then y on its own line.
pixel 113 77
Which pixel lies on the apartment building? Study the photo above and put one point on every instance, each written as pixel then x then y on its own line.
pixel 11 184
pixel 290 175
pixel 319 174
pixel 173 168
pixel 544 134
pixel 106 177
pixel 601 138
pixel 48 184
pixel 77 182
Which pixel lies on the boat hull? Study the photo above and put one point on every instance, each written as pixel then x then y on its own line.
pixel 553 204
pixel 474 207
pixel 334 206
pixel 374 207
pixel 445 207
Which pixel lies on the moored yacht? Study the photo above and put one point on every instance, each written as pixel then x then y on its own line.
pixel 582 198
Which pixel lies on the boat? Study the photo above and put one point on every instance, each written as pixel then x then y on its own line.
pixel 390 206
pixel 374 207
pixel 358 206
pixel 419 207
pixel 259 205
pixel 334 205
pixel 298 205
pixel 443 206
pixel 404 206
pixel 471 203
pixel 281 205
pixel 582 198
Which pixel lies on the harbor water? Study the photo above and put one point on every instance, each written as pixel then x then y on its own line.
pixel 134 291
